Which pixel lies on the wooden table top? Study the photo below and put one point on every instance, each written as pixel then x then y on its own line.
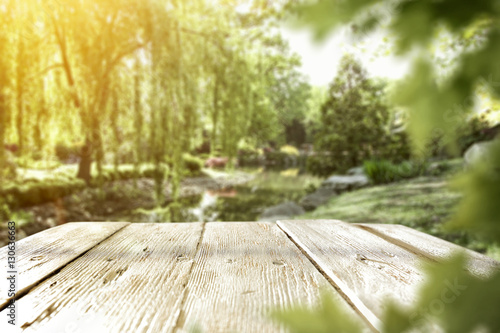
pixel 218 276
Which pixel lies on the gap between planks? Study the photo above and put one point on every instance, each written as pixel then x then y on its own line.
pixel 120 305
pixel 258 261
pixel 178 321
pixel 354 302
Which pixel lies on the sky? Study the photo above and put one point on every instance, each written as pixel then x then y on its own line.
pixel 320 59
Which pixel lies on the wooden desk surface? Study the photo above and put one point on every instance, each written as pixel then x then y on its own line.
pixel 219 276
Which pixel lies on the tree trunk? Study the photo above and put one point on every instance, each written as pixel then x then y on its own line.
pixel 85 162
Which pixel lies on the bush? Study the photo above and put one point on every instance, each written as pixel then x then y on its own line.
pixel 34 192
pixel 321 165
pixel 383 171
pixel 192 163
pixel 396 148
pixel 276 159
pixel 149 171
pixel 249 157
pixel 475 130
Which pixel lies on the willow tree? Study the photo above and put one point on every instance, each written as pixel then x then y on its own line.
pixel 153 74
pixel 89 56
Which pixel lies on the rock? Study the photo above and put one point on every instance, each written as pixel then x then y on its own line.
pixel 358 171
pixel 318 198
pixel 345 183
pixel 477 152
pixel 284 210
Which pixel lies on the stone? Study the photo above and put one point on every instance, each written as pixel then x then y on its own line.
pixel 283 210
pixel 317 198
pixel 345 183
pixel 358 171
pixel 477 152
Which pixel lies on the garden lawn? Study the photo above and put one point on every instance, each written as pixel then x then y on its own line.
pixel 423 203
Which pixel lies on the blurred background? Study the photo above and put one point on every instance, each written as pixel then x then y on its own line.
pixel 221 110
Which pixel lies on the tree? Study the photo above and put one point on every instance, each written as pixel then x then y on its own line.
pixel 354 117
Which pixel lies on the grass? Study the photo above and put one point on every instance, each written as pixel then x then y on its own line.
pixel 423 203
pixel 413 203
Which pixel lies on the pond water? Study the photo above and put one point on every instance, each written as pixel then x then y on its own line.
pixel 239 203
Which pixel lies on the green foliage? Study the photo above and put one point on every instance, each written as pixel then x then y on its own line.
pixel 474 130
pixel 396 147
pixel 193 164
pixel 153 81
pixel 438 105
pixel 354 118
pixel 250 157
pixel 383 171
pixel 4 210
pixel 35 192
pixel 479 209
pixel 329 317
pixel 450 298
pixel 321 165
pixel 447 299
pixel 447 101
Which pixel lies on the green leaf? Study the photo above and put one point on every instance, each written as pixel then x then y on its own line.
pixel 329 317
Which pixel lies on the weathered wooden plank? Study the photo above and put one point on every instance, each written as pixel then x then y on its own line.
pixel 432 247
pixel 367 268
pixel 244 270
pixel 43 253
pixel 132 282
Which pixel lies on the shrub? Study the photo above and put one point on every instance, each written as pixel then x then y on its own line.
pixel 383 171
pixel 321 165
pixel 276 159
pixel 396 148
pixel 192 163
pixel 249 157
pixel 475 130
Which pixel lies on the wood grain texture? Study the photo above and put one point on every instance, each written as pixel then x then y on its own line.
pixel 43 253
pixel 244 270
pixel 367 268
pixel 132 282
pixel 432 247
